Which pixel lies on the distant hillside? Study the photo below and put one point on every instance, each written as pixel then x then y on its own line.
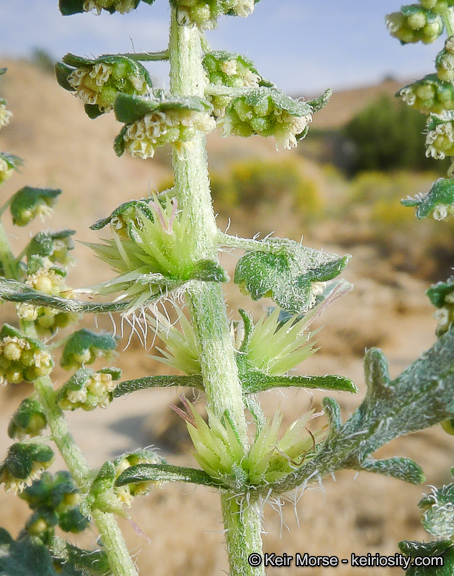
pixel 345 104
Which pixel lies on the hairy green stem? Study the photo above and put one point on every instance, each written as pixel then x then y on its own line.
pixel 206 300
pixel 448 19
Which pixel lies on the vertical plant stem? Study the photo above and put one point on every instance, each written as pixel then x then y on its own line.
pixel 6 257
pixel 242 520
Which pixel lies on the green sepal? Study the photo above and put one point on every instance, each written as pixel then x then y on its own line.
pixel 88 562
pixel 26 202
pixel 438 292
pixel 13 162
pixel 87 345
pixel 441 193
pixel 62 71
pixel 263 95
pixel 399 468
pixel 255 381
pixel 73 521
pixel 2 71
pixel 208 271
pixel 438 512
pixel 129 109
pixel 24 557
pixel 29 418
pixel 285 271
pixel 165 473
pixel 160 381
pixel 126 211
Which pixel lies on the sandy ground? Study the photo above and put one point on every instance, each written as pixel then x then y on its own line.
pixel 348 514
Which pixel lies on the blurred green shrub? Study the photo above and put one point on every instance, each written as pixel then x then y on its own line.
pixel 251 183
pixel 388 135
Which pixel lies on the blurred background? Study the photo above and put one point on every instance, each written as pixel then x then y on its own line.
pixel 340 190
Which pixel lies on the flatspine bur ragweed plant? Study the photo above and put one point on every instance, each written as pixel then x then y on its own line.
pixel 165 248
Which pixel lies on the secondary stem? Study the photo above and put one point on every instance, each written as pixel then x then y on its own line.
pixel 115 547
pixel 242 519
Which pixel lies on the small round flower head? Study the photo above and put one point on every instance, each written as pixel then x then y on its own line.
pixel 49 280
pixel 414 23
pixel 444 62
pixel 28 203
pixel 437 6
pixel 441 296
pixel 127 493
pixel 21 358
pixel 98 82
pixel 23 464
pixel 205 13
pixel 440 138
pixel 5 114
pixel 267 112
pixel 429 95
pixel 84 347
pixel 121 6
pixel 177 127
pixel 88 389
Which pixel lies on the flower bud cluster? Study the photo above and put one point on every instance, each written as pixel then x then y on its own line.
pixel 28 420
pixel 440 137
pixel 55 502
pixel 48 280
pixel 444 62
pixel 437 6
pixel 430 95
pixel 23 464
pixel 159 128
pixel 205 13
pixel 51 248
pixel 232 71
pixel 5 114
pixel 22 358
pixel 267 112
pixel 121 6
pixel 415 23
pixel 88 389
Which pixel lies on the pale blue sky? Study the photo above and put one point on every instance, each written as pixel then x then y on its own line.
pixel 304 46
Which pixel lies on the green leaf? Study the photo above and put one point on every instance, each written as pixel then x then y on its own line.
pixel 165 473
pixel 400 468
pixel 255 381
pixel 421 396
pixel 25 557
pixel 13 291
pixel 129 109
pixel 415 549
pixel 128 386
pixel 285 271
